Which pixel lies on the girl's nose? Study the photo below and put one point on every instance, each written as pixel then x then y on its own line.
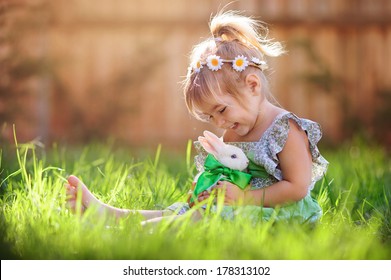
pixel 219 121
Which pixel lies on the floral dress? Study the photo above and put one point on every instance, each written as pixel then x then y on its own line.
pixel 264 153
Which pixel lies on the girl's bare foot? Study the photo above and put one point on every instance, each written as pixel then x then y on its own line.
pixel 75 187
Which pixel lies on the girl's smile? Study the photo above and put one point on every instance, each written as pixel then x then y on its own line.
pixel 229 114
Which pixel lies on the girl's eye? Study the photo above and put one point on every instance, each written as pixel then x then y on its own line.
pixel 234 156
pixel 222 110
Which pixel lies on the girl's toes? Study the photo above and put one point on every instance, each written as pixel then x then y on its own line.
pixel 74 181
pixel 70 190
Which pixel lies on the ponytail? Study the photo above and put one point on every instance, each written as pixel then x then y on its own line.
pixel 231 26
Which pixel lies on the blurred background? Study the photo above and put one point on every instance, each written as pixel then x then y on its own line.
pixel 76 71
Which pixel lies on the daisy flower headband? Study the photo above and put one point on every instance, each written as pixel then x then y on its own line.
pixel 239 63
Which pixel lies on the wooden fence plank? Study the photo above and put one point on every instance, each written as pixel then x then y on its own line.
pixel 129 57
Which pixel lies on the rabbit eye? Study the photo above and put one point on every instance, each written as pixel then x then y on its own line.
pixel 234 156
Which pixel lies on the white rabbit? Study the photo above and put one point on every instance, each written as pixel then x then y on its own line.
pixel 228 155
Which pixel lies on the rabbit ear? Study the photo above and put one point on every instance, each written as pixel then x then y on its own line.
pixel 207 146
pixel 214 141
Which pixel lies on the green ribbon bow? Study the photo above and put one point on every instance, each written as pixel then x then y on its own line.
pixel 257 171
pixel 214 172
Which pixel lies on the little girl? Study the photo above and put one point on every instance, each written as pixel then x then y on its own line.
pixel 226 86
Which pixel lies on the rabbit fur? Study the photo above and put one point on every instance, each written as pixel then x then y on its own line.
pixel 228 155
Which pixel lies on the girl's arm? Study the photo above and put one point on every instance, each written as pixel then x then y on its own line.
pixel 296 166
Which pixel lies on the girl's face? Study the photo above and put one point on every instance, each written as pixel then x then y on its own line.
pixel 228 113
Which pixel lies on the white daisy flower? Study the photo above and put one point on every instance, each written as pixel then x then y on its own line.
pixel 261 63
pixel 256 60
pixel 214 62
pixel 197 66
pixel 264 65
pixel 240 63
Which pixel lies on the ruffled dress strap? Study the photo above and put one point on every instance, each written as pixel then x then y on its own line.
pixel 273 141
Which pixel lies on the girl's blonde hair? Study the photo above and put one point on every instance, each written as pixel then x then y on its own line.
pixel 232 35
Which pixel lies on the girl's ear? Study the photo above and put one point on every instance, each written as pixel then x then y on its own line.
pixel 207 146
pixel 253 83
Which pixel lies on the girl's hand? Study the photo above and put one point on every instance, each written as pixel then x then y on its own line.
pixel 190 194
pixel 202 196
pixel 233 194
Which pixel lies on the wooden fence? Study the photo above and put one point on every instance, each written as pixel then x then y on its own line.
pixel 99 69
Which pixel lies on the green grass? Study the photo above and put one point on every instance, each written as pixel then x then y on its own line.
pixel 35 223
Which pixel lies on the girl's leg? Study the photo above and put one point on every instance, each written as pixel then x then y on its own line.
pixel 75 186
pixel 195 216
